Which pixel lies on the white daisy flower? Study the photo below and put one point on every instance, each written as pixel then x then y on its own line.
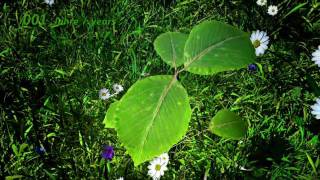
pixel 117 88
pixel 165 158
pixel 121 178
pixel 104 94
pixel 157 168
pixel 272 10
pixel 260 41
pixel 262 2
pixel 316 56
pixel 316 109
pixel 49 2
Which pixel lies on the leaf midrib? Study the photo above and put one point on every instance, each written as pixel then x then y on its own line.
pixel 225 124
pixel 156 112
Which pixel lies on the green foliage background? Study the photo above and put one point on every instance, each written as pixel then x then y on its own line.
pixel 51 75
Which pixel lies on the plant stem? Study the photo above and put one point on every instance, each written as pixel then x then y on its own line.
pixel 106 171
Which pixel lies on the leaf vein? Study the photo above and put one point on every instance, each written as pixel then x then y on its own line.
pixel 156 112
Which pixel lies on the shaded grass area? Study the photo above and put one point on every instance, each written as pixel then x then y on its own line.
pixel 51 75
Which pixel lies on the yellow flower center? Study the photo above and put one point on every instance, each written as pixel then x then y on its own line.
pixel 256 43
pixel 104 94
pixel 158 167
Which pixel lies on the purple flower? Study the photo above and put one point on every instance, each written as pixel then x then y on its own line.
pixel 107 152
pixel 252 67
pixel 40 150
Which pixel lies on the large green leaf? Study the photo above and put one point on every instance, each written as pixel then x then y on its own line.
pixel 170 47
pixel 109 120
pixel 214 47
pixel 154 115
pixel 227 124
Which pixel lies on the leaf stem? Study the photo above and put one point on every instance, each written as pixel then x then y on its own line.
pixel 106 170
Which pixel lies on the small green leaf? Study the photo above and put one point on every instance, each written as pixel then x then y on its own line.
pixel 51 135
pixel 14 177
pixel 22 147
pixel 51 176
pixel 312 163
pixel 80 139
pixel 15 150
pixel 26 132
pixel 214 47
pixel 170 47
pixel 227 124
pixel 5 52
pixel 109 119
pixel 295 9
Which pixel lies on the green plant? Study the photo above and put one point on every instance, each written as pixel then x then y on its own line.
pixel 160 103
pixel 155 112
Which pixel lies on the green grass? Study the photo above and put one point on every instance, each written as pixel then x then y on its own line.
pixel 50 78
